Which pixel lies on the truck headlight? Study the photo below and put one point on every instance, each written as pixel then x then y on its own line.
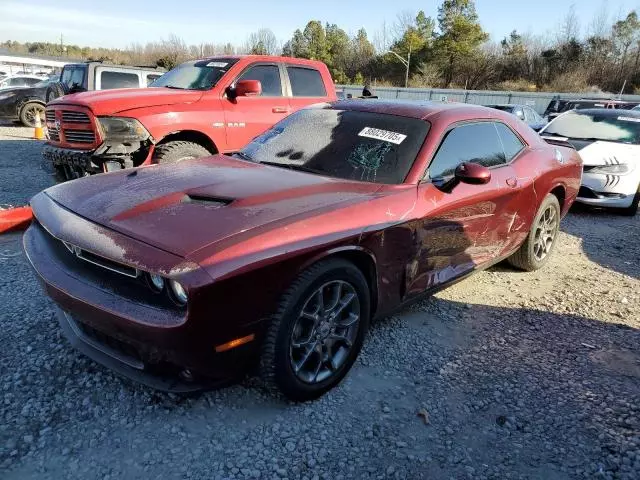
pixel 122 128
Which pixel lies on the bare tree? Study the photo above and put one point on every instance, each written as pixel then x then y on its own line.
pixel 381 40
pixel 569 28
pixel 600 25
pixel 404 20
pixel 262 42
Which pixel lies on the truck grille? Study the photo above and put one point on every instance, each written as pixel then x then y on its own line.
pixel 71 127
pixel 75 117
pixel 79 136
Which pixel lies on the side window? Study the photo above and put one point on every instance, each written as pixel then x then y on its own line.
pixel 269 77
pixel 306 82
pixel 152 77
pixel 16 82
pixel 511 144
pixel 71 76
pixel 476 142
pixel 109 80
pixel 31 81
pixel 529 115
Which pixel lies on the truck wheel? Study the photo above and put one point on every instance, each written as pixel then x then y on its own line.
pixel 537 248
pixel 172 152
pixel 56 90
pixel 29 112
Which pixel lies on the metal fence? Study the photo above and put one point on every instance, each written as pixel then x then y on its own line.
pixel 538 101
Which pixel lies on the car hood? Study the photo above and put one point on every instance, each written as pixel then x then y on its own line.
pixel 109 102
pixel 606 153
pixel 185 207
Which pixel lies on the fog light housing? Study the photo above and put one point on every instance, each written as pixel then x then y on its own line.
pixel 178 291
pixel 156 282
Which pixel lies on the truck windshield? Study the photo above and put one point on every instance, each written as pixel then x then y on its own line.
pixel 198 75
pixel 611 126
pixel 352 145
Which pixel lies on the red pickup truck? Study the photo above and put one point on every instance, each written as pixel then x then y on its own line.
pixel 202 107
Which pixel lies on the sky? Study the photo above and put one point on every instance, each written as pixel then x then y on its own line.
pixel 119 23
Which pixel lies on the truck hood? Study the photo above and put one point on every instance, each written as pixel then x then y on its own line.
pixel 185 207
pixel 109 102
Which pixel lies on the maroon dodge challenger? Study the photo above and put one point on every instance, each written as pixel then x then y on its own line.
pixel 277 258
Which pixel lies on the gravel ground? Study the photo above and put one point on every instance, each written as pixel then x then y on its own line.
pixel 504 375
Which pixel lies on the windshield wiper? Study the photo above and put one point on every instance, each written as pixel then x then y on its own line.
pixel 174 87
pixel 244 156
pixel 290 166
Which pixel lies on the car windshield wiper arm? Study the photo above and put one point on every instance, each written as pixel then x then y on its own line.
pixel 290 166
pixel 174 87
pixel 244 156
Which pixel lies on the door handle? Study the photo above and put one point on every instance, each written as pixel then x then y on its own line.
pixel 280 109
pixel 512 182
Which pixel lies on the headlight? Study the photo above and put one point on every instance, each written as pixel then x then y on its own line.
pixel 619 169
pixel 121 128
pixel 178 291
pixel 156 282
pixel 4 96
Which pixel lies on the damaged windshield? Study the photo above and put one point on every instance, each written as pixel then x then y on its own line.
pixel 352 145
pixel 198 75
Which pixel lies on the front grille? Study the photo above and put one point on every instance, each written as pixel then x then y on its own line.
pixel 79 136
pixel 75 117
pixel 108 341
pixel 53 134
pixel 50 115
pixel 102 262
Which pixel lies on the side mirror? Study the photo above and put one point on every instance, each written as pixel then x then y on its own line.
pixel 472 173
pixel 520 114
pixel 245 88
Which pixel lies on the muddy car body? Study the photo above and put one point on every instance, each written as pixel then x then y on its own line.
pixel 374 209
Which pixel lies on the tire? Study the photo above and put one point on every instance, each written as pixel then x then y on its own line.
pixel 279 350
pixel 633 208
pixel 172 152
pixel 528 257
pixel 56 90
pixel 28 113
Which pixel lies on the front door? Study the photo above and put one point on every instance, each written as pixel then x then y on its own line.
pixel 469 226
pixel 248 117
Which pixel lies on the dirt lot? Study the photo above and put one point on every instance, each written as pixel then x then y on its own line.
pixel 519 375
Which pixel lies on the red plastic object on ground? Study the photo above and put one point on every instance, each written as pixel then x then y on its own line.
pixel 17 218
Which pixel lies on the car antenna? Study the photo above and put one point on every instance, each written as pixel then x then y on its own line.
pixel 622 89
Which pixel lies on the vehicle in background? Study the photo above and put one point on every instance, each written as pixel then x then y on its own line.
pixel 25 103
pixel 14 81
pixel 199 108
pixel 609 143
pixel 524 112
pixel 87 76
pixel 340 213
pixel 585 103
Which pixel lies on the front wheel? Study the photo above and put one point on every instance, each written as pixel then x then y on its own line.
pixel 315 335
pixel 537 248
pixel 29 112
pixel 177 151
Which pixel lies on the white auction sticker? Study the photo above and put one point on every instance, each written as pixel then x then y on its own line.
pixel 217 64
pixel 629 119
pixel 385 135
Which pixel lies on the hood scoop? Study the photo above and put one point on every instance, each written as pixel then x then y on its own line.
pixel 206 200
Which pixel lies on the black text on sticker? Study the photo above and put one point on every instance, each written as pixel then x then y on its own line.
pixel 385 135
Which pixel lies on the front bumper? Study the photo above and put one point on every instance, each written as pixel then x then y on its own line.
pixel 616 191
pixel 158 347
pixel 71 163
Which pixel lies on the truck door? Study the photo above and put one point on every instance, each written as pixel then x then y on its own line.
pixel 247 117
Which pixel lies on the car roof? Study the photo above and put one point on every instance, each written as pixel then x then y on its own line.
pixel 263 58
pixel 607 112
pixel 420 109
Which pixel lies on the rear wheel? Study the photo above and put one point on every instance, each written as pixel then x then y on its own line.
pixel 56 90
pixel 317 332
pixel 29 112
pixel 172 152
pixel 537 248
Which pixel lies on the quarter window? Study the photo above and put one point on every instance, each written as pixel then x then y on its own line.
pixel 475 143
pixel 269 77
pixel 511 144
pixel 306 82
pixel 109 80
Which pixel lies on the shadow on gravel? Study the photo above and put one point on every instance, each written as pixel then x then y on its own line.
pixel 605 236
pixel 23 171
